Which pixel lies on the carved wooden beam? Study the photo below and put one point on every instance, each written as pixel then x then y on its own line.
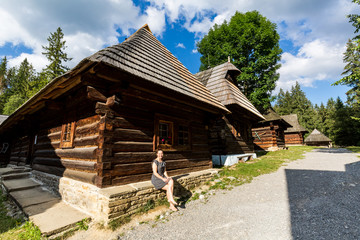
pixel 113 100
pixel 95 95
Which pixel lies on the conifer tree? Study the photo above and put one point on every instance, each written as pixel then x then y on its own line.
pixel 55 53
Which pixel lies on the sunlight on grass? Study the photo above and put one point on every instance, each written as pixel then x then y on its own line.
pixel 267 163
pixel 355 149
pixel 10 227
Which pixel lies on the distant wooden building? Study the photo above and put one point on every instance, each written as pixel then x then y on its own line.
pixel 102 121
pixel 269 133
pixel 316 138
pixel 230 135
pixel 294 135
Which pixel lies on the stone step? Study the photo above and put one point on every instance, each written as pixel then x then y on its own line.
pixel 54 217
pixel 15 176
pixel 33 196
pixel 11 170
pixel 13 185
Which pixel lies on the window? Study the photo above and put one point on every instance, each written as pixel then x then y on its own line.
pixel 183 135
pixel 67 135
pixel 165 133
pixel 171 134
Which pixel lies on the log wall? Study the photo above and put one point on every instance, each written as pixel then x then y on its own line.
pixel 40 147
pixel 267 137
pixel 294 138
pixel 128 137
pixel 231 135
pixel 270 136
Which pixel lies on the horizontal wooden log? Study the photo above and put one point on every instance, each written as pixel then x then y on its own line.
pixel 87 130
pixel 133 122
pixel 17 159
pixel 87 120
pixel 73 153
pixel 66 163
pixel 47 145
pixel 200 147
pixel 132 135
pixel 62 172
pixel 51 137
pixel 95 95
pixel 86 141
pixel 133 157
pixel 140 168
pixel 143 177
pixel 127 146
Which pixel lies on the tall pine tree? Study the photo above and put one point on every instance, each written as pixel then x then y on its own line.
pixel 55 53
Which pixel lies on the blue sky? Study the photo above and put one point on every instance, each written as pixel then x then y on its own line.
pixel 313 33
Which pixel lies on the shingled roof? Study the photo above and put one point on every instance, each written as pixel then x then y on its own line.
pixel 144 56
pixel 316 136
pixel 293 120
pixel 223 89
pixel 141 55
pixel 271 116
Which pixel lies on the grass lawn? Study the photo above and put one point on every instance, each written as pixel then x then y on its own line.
pixel 267 162
pixel 355 149
pixel 10 228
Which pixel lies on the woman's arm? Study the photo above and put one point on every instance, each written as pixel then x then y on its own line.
pixel 165 173
pixel 154 167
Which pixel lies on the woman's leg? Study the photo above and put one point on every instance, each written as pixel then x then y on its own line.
pixel 169 195
pixel 171 188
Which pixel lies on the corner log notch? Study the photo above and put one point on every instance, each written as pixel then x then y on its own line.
pixel 95 95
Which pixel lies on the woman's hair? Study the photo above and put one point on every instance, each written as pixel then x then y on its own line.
pixel 159 150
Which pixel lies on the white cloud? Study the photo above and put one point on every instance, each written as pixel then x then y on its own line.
pixel 194 51
pixel 180 45
pixel 316 61
pixel 319 29
pixel 88 25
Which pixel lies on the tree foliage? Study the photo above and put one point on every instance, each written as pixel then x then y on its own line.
pixel 55 53
pixel 296 101
pixel 333 119
pixel 252 42
pixel 18 84
pixel 351 74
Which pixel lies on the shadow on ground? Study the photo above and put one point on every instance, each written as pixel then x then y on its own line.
pixel 325 204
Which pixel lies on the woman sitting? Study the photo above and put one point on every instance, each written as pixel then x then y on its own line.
pixel 161 180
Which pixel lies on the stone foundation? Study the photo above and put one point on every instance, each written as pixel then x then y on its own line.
pixel 119 201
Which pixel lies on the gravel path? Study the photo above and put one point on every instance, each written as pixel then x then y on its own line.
pixel 314 198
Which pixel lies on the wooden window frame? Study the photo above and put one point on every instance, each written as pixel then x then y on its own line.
pixel 178 135
pixel 175 123
pixel 70 143
pixel 171 131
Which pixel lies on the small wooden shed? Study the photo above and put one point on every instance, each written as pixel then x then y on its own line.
pixel 268 134
pixel 294 135
pixel 102 121
pixel 230 135
pixel 316 138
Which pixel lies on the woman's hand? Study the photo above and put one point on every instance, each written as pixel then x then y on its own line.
pixel 166 180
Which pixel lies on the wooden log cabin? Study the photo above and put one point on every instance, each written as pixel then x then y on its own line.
pixel 269 134
pixel 317 138
pixel 102 121
pixel 294 136
pixel 230 135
